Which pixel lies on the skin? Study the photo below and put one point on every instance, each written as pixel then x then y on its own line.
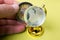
pixel 8 10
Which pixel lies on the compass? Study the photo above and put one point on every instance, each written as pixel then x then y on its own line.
pixel 22 7
pixel 34 16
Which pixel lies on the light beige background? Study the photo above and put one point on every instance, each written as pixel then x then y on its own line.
pixel 51 25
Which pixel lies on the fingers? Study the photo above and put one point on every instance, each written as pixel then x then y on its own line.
pixel 1 1
pixel 9 1
pixel 11 29
pixel 8 11
pixel 14 29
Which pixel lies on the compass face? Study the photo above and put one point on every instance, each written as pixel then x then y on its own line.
pixel 34 16
pixel 22 7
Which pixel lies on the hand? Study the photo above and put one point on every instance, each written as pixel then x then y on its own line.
pixel 8 10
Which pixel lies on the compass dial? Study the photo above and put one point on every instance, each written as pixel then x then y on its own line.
pixel 34 16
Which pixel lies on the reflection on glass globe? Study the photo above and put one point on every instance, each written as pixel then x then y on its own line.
pixel 34 16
